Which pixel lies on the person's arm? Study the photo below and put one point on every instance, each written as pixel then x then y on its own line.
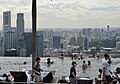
pixel 41 69
pixel 104 67
pixel 103 71
pixel 36 71
pixel 111 72
pixel 103 76
pixel 74 75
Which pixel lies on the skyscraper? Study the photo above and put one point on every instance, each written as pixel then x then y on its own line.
pixel 20 29
pixel 20 25
pixel 1 46
pixel 9 36
pixel 108 32
pixel 6 26
pixel 56 42
pixel 86 43
pixel 39 43
pixel 28 41
pixel 6 20
pixel 118 45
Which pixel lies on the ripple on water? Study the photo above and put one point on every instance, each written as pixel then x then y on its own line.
pixel 60 66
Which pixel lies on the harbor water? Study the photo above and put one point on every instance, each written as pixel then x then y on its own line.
pixel 60 66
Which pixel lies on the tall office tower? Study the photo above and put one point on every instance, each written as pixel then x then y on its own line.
pixel 118 45
pixel 12 36
pixel 1 45
pixel 6 27
pixel 87 32
pixel 10 43
pixel 48 34
pixel 84 32
pixel 6 20
pixel 102 33
pixel 56 42
pixel 86 43
pixel 79 41
pixel 108 32
pixel 20 25
pixel 20 29
pixel 97 33
pixel 39 44
pixel 28 43
pixel 65 45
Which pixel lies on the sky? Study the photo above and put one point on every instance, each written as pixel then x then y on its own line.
pixel 65 13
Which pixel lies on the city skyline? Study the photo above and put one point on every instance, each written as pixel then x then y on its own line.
pixel 65 13
pixel 16 42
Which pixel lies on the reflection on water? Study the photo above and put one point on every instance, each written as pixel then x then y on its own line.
pixel 60 66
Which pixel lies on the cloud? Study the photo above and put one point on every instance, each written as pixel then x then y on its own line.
pixel 74 12
pixel 108 9
pixel 15 5
pixel 69 9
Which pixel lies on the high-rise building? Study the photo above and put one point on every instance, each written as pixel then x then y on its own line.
pixel 13 37
pixel 56 42
pixel 20 29
pixel 39 44
pixel 117 39
pixel 108 32
pixel 87 32
pixel 72 41
pixel 65 45
pixel 9 33
pixel 6 27
pixel 97 33
pixel 118 45
pixel 102 33
pixel 28 43
pixel 86 43
pixel 48 35
pixel 1 46
pixel 6 20
pixel 20 24
pixel 79 41
pixel 10 41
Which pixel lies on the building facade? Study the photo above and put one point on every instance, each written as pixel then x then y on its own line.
pixel 56 42
pixel 20 29
pixel 9 34
pixel 39 44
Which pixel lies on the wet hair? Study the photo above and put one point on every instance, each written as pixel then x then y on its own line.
pixel 4 75
pixel 89 63
pixel 118 70
pixel 100 70
pixel 84 61
pixel 106 55
pixel 25 62
pixel 74 63
pixel 37 59
pixel 62 55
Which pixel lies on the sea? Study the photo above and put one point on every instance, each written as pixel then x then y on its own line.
pixel 60 66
